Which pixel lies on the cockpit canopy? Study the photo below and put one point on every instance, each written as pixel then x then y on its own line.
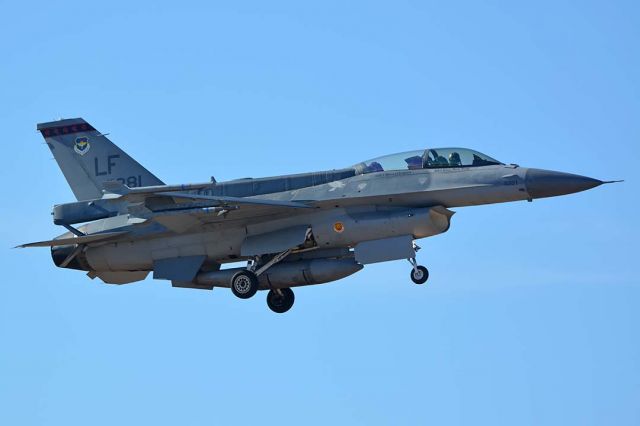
pixel 436 158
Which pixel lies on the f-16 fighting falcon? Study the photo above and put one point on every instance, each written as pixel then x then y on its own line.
pixel 292 230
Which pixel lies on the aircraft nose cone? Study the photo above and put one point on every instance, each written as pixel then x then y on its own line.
pixel 546 183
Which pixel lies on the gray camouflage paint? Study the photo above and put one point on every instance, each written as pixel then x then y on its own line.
pixel 371 206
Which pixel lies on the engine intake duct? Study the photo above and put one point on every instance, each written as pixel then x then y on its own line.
pixel 288 274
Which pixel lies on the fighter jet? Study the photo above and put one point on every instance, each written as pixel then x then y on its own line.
pixel 291 230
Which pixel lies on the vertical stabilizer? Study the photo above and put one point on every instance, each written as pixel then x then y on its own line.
pixel 88 159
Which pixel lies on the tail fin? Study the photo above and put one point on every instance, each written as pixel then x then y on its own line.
pixel 88 159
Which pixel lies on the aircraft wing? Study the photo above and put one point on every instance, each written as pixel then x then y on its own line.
pixel 174 191
pixel 85 239
pixel 186 219
pixel 234 200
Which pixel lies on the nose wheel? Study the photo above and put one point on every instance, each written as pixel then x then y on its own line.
pixel 419 273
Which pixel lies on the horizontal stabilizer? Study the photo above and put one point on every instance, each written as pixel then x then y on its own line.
pixel 75 240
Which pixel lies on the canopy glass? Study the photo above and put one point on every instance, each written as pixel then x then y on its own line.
pixel 428 159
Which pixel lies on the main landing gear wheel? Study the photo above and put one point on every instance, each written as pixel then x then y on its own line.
pixel 280 300
pixel 419 274
pixel 244 284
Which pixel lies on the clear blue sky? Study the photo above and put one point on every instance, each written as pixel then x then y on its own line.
pixel 532 311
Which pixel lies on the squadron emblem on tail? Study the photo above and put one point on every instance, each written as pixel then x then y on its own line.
pixel 81 146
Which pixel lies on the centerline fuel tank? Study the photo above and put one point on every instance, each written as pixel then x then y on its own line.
pixel 288 274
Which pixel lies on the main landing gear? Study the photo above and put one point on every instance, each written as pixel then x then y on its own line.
pixel 245 284
pixel 280 300
pixel 419 273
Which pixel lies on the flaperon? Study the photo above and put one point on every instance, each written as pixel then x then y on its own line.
pixel 292 230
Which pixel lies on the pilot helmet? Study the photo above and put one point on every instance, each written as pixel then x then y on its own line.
pixel 454 158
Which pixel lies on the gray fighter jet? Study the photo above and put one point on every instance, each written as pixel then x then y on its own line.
pixel 292 230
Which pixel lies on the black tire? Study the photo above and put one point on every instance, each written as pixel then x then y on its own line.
pixel 280 304
pixel 244 284
pixel 419 276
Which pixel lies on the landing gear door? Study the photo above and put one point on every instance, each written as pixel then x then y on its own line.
pixel 385 249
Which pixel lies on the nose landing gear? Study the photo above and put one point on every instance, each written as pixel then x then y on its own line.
pixel 419 273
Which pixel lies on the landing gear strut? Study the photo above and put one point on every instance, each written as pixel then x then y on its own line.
pixel 280 300
pixel 244 284
pixel 419 274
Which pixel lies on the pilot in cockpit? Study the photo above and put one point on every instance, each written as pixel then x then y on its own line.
pixel 436 160
pixel 454 160
pixel 414 162
pixel 374 166
pixel 441 161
